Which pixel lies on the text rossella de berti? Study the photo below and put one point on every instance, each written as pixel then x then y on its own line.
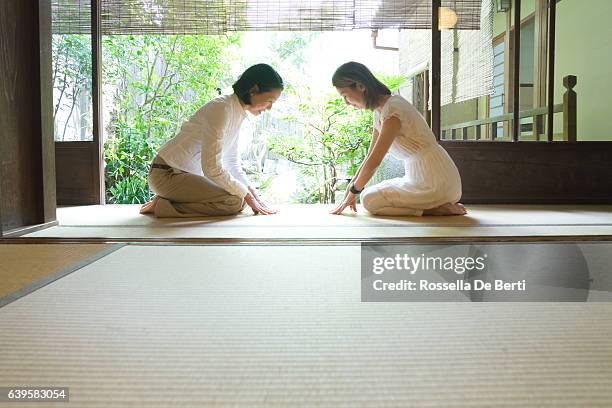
pixel 415 267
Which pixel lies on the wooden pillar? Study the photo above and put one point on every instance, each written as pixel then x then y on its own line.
pixel 27 178
pixel 551 68
pixel 426 96
pixel 570 117
pixel 46 112
pixel 540 58
pixel 96 93
pixel 436 47
pixel 516 126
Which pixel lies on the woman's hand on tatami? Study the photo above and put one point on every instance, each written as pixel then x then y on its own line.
pixel 349 201
pixel 266 206
pixel 257 206
pixel 261 202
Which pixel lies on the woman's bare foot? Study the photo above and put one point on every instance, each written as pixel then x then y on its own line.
pixel 149 208
pixel 447 209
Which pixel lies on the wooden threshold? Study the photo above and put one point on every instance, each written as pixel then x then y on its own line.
pixel 303 241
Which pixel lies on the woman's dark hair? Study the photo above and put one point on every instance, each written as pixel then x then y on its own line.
pixel 351 73
pixel 261 75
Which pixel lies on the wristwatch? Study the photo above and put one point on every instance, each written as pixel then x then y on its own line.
pixel 353 190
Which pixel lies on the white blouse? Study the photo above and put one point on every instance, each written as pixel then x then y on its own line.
pixel 207 145
pixel 414 134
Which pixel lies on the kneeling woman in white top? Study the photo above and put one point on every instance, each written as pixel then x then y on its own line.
pixel 198 172
pixel 431 184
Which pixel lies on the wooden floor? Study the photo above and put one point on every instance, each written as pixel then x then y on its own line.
pixel 313 222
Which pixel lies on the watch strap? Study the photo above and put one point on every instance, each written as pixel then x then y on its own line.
pixel 354 190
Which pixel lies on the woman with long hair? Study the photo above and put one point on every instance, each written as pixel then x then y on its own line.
pixel 431 184
pixel 198 172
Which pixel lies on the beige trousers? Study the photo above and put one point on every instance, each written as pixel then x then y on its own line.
pixel 184 194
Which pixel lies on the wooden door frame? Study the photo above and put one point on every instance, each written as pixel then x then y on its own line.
pixel 80 170
pixel 509 48
pixel 96 94
pixel 436 66
pixel 46 112
pixel 500 38
pixel 540 62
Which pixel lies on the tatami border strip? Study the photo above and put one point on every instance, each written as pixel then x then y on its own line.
pixel 57 275
pixel 16 232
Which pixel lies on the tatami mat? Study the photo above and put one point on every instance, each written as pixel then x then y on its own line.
pixel 22 265
pixel 313 221
pixel 260 326
pixel 317 215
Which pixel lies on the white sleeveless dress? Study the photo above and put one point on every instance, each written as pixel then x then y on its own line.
pixel 431 177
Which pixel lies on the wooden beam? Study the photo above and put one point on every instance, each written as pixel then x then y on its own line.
pixel 447 239
pixel 551 67
pixel 503 118
pixel 96 92
pixel 516 126
pixel 46 112
pixel 540 58
pixel 436 47
pixel 426 97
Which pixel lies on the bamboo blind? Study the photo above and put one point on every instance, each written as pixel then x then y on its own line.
pixel 221 16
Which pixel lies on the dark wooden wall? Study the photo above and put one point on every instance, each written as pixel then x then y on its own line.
pixel 531 172
pixel 27 164
pixel 77 168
